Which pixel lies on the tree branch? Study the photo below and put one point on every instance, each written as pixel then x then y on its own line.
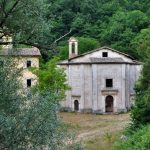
pixel 47 47
pixel 8 13
pixel 63 36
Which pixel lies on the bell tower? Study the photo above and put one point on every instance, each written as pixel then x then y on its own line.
pixel 73 47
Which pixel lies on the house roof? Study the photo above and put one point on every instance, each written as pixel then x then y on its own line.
pixel 21 52
pixel 98 49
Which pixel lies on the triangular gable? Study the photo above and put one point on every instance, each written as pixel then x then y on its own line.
pixel 96 56
pixel 102 48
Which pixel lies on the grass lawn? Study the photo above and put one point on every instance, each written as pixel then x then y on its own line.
pixel 96 132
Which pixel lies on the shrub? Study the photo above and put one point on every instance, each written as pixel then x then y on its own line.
pixel 139 140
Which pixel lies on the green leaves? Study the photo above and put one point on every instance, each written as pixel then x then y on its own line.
pixel 29 120
pixel 140 140
pixel 52 78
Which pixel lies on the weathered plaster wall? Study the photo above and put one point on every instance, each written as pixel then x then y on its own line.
pixel 27 74
pixel 88 83
pixel 98 54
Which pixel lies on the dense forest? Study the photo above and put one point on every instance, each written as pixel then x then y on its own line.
pixel 120 24
pixel 48 24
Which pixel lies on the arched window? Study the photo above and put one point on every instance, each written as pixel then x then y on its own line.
pixel 73 48
pixel 109 103
pixel 76 105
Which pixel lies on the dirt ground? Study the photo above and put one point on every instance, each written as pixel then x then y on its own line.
pixel 96 130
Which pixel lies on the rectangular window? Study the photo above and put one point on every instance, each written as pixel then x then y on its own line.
pixel 109 83
pixel 28 63
pixel 28 82
pixel 105 54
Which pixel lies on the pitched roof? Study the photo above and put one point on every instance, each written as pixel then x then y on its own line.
pixel 103 60
pixel 21 52
pixel 98 49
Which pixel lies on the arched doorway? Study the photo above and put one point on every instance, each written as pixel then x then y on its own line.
pixel 76 105
pixel 109 103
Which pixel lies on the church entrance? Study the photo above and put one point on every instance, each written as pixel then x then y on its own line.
pixel 109 103
pixel 76 105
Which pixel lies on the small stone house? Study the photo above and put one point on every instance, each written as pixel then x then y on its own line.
pixel 24 58
pixel 101 80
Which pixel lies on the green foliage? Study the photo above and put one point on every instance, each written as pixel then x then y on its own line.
pixel 52 78
pixel 25 21
pixel 122 28
pixel 140 140
pixel 140 113
pixel 141 43
pixel 29 120
pixel 85 45
pixel 141 110
pixel 114 23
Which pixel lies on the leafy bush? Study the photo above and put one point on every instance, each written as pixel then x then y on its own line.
pixel 30 120
pixel 140 140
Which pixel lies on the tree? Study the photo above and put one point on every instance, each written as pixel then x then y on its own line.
pixel 52 78
pixel 29 24
pixel 24 21
pixel 141 110
pixel 141 44
pixel 139 140
pixel 29 120
pixel 123 28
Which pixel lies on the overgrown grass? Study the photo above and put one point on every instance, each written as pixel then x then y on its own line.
pixel 96 132
pixel 102 143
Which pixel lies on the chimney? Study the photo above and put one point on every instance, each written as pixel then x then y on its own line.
pixel 73 47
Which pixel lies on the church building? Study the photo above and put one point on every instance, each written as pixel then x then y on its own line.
pixel 101 80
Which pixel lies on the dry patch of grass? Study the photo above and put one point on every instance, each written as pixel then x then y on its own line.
pixel 102 143
pixel 97 132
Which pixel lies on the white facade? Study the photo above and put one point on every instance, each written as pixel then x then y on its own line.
pixel 101 81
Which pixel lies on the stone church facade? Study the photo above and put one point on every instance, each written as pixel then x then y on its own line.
pixel 101 80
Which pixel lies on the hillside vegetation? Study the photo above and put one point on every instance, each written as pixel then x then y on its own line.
pixel 120 24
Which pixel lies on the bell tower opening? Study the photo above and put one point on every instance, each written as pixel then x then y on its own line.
pixel 73 47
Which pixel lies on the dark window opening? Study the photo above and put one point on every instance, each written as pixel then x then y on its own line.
pixel 109 83
pixel 28 82
pixel 28 63
pixel 73 48
pixel 105 54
